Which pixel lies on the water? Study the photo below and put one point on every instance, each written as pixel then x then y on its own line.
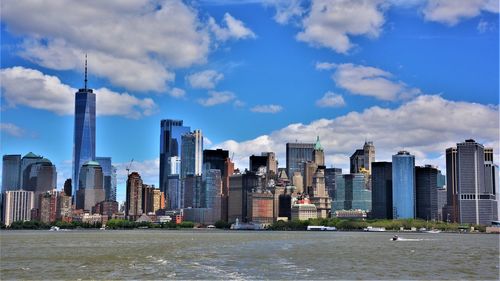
pixel 213 254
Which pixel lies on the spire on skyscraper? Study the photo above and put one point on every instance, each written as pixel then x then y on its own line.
pixel 85 72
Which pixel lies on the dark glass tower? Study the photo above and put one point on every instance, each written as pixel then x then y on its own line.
pixel 11 172
pixel 84 138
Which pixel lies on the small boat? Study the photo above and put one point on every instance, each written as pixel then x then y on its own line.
pixel 321 228
pixel 395 238
pixel 54 228
pixel 433 231
pixel 374 229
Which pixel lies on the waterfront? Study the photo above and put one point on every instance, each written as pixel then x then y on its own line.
pixel 213 254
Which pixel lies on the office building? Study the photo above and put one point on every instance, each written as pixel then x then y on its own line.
pixel 64 208
pixel 67 188
pixel 192 154
pixel 17 206
pixel 84 132
pixel 403 185
pixel 48 206
pixel 296 155
pixel 318 196
pixel 381 190
pixel 361 159
pixel 256 162
pixel 91 188
pixel 240 185
pixel 330 174
pixel 191 192
pixel 212 189
pixel 109 180
pixel 351 193
pixel 426 192
pixel 477 202
pixel 260 207
pixel 11 172
pixel 39 176
pixel 450 212
pixel 133 203
pixel 171 132
pixel 26 162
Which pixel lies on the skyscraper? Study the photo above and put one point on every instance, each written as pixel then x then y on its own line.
pixel 476 203
pixel 382 190
pixel 403 185
pixel 192 153
pixel 11 172
pixel 133 203
pixel 450 212
pixel 426 192
pixel 296 155
pixel 351 193
pixel 170 146
pixel 361 159
pixel 17 206
pixel 109 180
pixel 91 189
pixel 330 174
pixel 84 133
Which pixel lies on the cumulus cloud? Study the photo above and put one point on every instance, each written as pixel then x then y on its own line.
pixel 215 98
pixel 331 23
pixel 325 65
pixel 331 99
pixel 371 81
pixel 484 26
pixel 31 88
pixel 177 93
pixel 134 44
pixel 267 108
pixel 12 129
pixel 425 126
pixel 233 29
pixel 206 79
pixel 286 10
pixel 452 12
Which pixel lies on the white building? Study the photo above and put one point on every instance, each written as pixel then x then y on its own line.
pixel 18 205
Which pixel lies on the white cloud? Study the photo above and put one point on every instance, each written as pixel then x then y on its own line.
pixel 331 23
pixel 177 93
pixel 206 79
pixel 267 108
pixel 451 12
pixel 286 10
pixel 12 129
pixel 215 98
pixel 331 100
pixel 134 44
pixel 234 29
pixel 425 126
pixel 325 65
pixel 31 88
pixel 484 26
pixel 371 81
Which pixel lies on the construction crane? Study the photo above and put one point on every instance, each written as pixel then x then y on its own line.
pixel 128 167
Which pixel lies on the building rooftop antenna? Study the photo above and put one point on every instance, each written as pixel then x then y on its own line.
pixel 85 72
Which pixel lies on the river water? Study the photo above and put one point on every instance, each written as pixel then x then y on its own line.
pixel 214 254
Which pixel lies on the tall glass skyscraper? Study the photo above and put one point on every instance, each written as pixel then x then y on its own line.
pixel 403 185
pixel 11 172
pixel 84 134
pixel 192 154
pixel 296 155
pixel 109 174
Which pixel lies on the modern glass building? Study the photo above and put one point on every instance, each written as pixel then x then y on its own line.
pixel 351 193
pixel 109 174
pixel 382 190
pixel 296 155
pixel 403 185
pixel 426 192
pixel 330 175
pixel 212 185
pixel 192 154
pixel 26 162
pixel 91 189
pixel 171 132
pixel 84 134
pixel 11 172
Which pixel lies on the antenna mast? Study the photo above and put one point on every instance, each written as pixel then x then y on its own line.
pixel 85 72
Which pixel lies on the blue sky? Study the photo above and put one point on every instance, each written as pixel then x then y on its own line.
pixel 252 75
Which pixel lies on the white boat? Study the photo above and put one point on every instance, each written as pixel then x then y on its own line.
pixel 433 231
pixel 321 228
pixel 54 228
pixel 374 229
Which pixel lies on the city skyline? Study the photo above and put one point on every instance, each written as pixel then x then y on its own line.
pixel 387 99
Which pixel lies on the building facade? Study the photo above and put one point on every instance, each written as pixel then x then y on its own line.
pixel 296 155
pixel 382 190
pixel 91 187
pixel 109 180
pixel 133 203
pixel 11 172
pixel 361 159
pixel 403 185
pixel 426 192
pixel 330 175
pixel 192 153
pixel 17 206
pixel 352 193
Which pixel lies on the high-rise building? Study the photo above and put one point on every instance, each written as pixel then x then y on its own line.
pixel 319 197
pixel 192 192
pixel 361 159
pixel 239 187
pixel 11 172
pixel 38 175
pixel 426 192
pixel 17 206
pixel 170 146
pixel 450 212
pixel 64 209
pixel 109 180
pixel 133 203
pixel 477 202
pixel 330 174
pixel 91 188
pixel 67 187
pixel 272 163
pixel 192 154
pixel 84 134
pixel 382 190
pixel 296 155
pixel 48 206
pixel 403 185
pixel 318 154
pixel 351 193
pixel 257 161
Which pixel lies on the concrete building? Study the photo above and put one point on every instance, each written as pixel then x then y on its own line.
pixel 296 155
pixel 302 209
pixel 48 206
pixel 260 207
pixel 319 196
pixel 381 190
pixel 17 206
pixel 426 192
pixel 64 208
pixel 361 159
pixel 91 188
pixel 192 154
pixel 133 203
pixel 403 185
pixel 11 172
